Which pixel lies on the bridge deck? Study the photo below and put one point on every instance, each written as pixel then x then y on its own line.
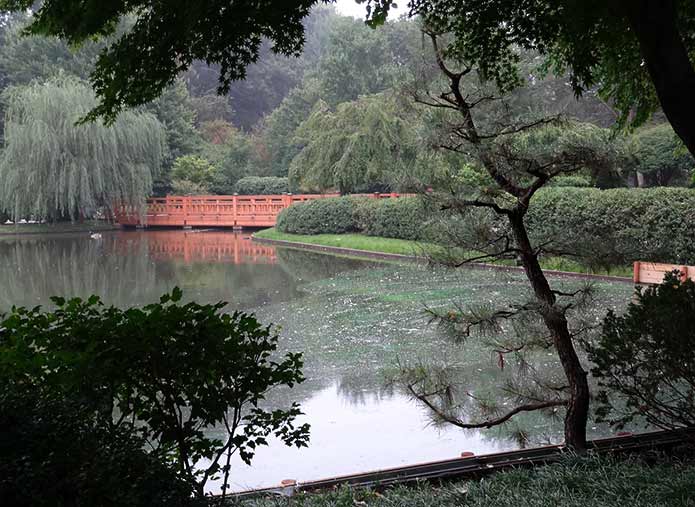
pixel 217 210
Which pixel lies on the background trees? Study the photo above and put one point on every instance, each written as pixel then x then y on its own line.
pixel 361 147
pixel 52 168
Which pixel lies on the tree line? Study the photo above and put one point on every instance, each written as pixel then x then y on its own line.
pixel 291 117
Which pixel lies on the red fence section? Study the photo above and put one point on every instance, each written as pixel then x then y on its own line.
pixel 217 210
pixel 654 272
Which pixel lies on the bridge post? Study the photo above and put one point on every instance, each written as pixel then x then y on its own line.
pixel 234 209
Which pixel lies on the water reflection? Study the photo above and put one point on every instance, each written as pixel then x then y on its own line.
pixel 136 267
pixel 379 432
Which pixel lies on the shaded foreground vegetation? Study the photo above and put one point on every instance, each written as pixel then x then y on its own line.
pixel 593 481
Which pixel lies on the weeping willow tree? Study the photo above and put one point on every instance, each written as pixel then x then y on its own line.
pixel 363 145
pixel 52 168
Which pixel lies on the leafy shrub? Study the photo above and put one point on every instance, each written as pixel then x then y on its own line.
pixel 571 181
pixel 645 359
pixel 173 369
pixel 267 185
pixel 616 226
pixel 56 453
pixel 322 216
pixel 402 218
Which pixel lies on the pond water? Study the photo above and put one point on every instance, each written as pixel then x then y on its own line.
pixel 354 320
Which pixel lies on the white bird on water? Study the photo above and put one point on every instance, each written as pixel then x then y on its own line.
pixel 95 235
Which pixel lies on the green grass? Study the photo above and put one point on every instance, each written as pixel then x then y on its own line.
pixel 576 482
pixel 406 247
pixel 86 226
pixel 353 241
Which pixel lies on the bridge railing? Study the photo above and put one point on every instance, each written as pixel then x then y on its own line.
pixel 645 273
pixel 218 210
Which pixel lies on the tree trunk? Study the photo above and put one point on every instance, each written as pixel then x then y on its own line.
pixel 655 25
pixel 556 322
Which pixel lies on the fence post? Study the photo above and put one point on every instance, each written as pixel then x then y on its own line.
pixel 636 271
pixel 234 209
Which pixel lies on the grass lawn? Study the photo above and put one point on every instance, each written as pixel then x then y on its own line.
pixel 406 247
pixel 576 482
pixel 86 226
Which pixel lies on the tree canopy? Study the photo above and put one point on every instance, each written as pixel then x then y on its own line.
pixel 359 147
pixel 52 168
pixel 600 43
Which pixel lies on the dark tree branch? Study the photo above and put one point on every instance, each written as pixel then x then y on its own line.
pixel 489 423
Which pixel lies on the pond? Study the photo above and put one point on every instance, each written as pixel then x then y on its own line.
pixel 355 321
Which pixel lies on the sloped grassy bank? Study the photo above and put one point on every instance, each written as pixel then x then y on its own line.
pixel 643 481
pixel 394 246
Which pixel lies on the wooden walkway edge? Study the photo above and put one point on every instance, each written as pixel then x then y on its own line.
pixel 469 466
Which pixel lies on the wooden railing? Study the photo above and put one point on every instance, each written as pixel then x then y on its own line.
pixel 217 210
pixel 654 272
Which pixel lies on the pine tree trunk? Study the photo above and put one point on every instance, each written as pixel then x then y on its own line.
pixel 556 322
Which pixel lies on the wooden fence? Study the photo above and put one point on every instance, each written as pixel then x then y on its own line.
pixel 654 272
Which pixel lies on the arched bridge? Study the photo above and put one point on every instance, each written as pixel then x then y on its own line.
pixel 237 211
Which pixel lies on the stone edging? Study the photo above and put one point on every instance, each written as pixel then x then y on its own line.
pixel 414 258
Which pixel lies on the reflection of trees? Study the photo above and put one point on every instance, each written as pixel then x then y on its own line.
pixel 35 268
pixel 359 387
pixel 124 270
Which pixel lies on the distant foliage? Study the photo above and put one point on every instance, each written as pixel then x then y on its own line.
pixel 257 185
pixel 571 181
pixel 360 147
pixel 165 373
pixel 645 359
pixel 661 156
pixel 54 169
pixel 193 170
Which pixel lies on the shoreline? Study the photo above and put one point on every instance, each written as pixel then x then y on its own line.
pixel 25 229
pixel 367 254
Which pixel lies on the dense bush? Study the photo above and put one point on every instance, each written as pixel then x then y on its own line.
pixel 322 216
pixel 168 370
pixel 402 218
pixel 257 185
pixel 618 225
pixel 56 453
pixel 603 227
pixel 645 359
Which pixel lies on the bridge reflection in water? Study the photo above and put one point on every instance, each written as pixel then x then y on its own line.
pixel 208 246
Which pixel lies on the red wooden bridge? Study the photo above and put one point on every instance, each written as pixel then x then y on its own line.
pixel 237 211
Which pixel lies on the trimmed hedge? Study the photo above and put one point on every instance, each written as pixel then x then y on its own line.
pixel 401 218
pixel 617 225
pixel 608 227
pixel 262 185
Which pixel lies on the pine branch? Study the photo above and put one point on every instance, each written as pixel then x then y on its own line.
pixel 489 423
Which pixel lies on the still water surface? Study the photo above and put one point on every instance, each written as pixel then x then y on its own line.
pixel 354 320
